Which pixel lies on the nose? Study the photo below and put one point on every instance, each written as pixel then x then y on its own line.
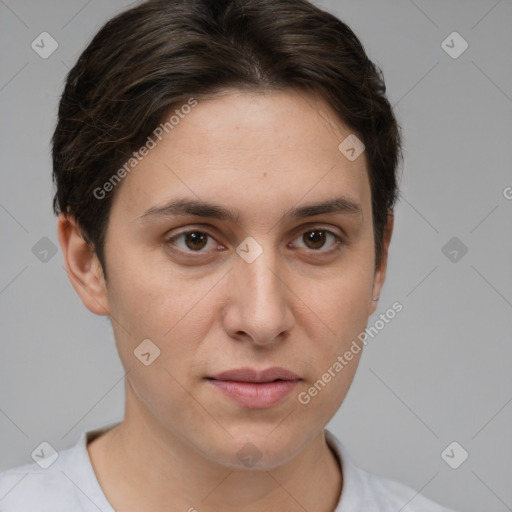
pixel 259 305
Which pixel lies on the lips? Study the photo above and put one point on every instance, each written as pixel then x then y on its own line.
pixel 250 375
pixel 255 389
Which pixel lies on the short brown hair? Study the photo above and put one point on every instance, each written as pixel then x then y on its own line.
pixel 156 56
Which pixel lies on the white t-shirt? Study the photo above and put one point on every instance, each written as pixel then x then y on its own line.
pixel 69 484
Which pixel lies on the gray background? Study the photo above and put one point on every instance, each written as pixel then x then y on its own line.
pixel 439 372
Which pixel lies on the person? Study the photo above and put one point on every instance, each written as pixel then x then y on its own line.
pixel 226 172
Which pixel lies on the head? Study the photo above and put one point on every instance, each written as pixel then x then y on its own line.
pixel 207 203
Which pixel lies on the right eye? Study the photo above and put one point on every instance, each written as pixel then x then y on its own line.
pixel 192 241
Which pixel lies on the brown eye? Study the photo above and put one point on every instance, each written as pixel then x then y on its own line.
pixel 195 240
pixel 317 239
pixel 192 241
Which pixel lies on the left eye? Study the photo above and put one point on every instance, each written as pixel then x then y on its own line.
pixel 315 239
pixel 200 241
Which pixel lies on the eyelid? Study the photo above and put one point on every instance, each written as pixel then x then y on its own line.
pixel 312 226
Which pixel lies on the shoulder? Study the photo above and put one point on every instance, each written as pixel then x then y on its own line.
pixel 363 491
pixel 31 487
pixel 389 495
pixel 58 482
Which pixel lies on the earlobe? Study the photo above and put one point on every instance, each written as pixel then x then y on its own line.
pixel 82 266
pixel 380 273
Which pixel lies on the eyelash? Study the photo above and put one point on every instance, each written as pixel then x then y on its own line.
pixel 338 240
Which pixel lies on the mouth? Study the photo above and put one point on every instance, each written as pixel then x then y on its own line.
pixel 255 389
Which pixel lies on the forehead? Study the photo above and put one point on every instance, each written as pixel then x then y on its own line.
pixel 257 152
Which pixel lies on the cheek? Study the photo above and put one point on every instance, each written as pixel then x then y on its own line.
pixel 337 314
pixel 155 307
pixel 338 304
pixel 149 297
pixel 160 304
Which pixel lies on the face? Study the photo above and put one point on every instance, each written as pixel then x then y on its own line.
pixel 215 253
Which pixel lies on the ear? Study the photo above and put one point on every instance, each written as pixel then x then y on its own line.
pixel 82 265
pixel 380 272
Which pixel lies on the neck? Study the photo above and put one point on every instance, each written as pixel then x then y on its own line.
pixel 142 467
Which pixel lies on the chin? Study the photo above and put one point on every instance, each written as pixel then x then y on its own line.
pixel 263 449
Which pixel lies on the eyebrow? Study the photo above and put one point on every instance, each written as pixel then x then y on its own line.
pixel 198 208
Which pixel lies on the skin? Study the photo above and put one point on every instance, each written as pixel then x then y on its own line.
pixel 298 306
